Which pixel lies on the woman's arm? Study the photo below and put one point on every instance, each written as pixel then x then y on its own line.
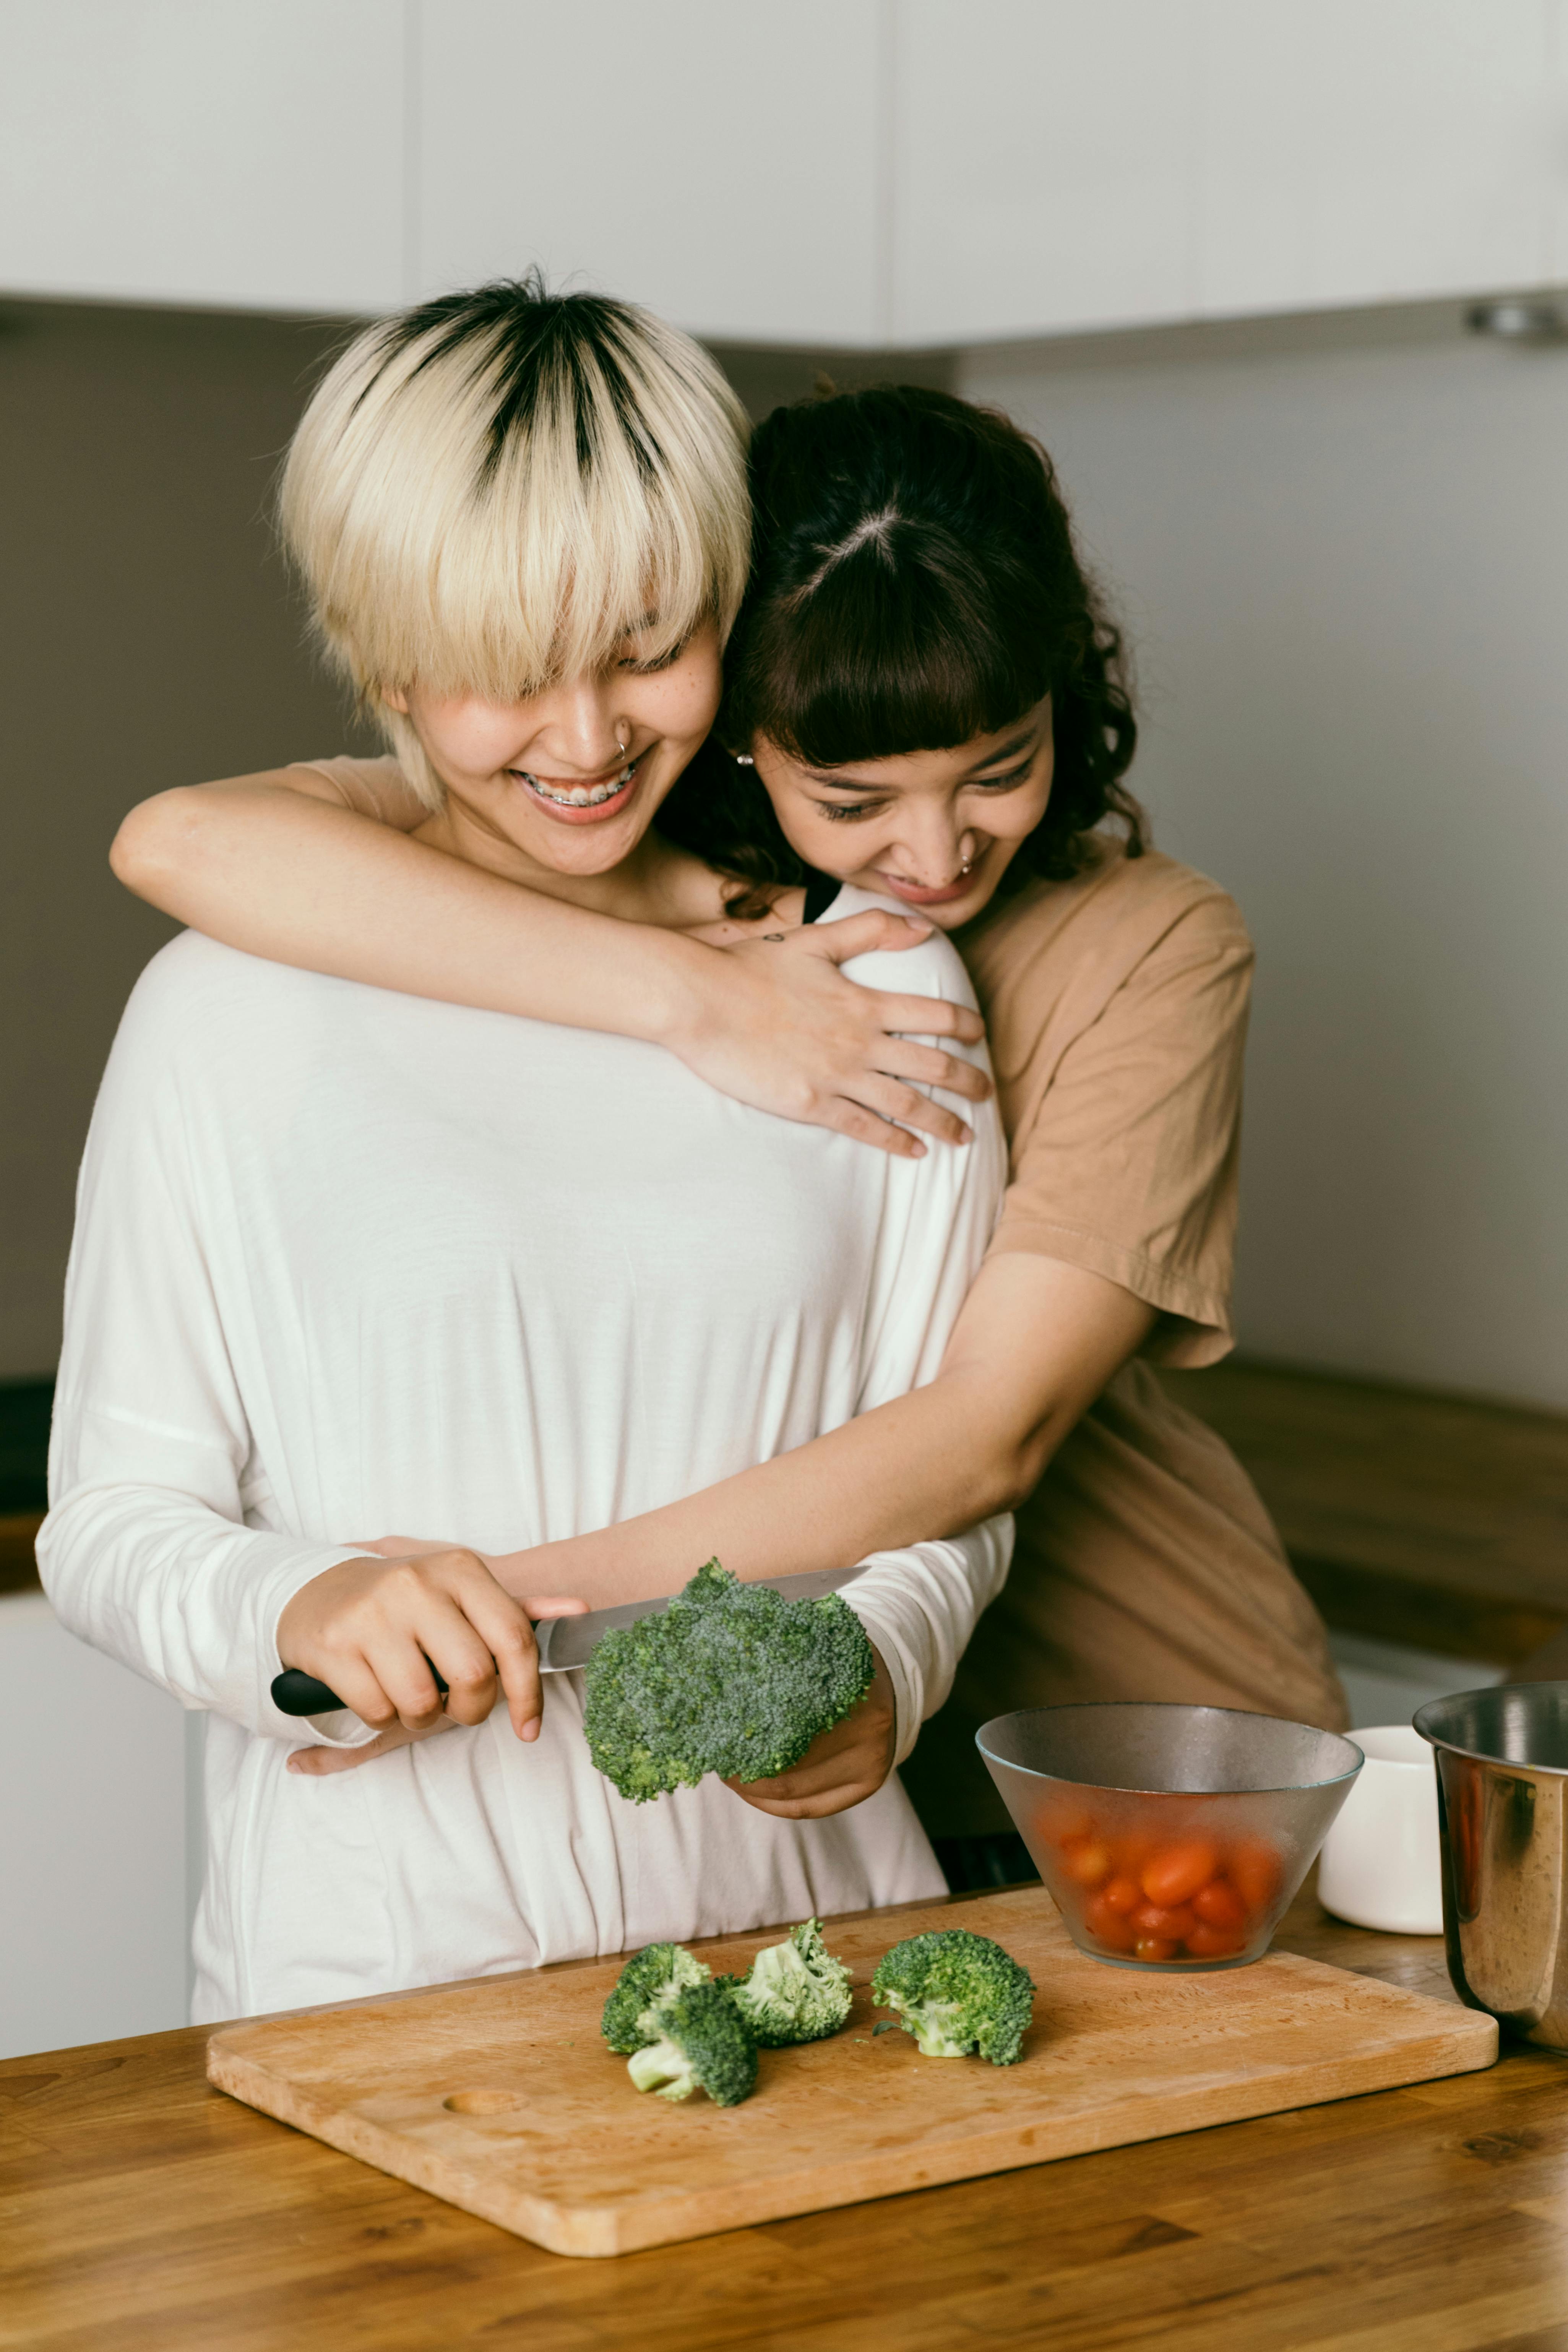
pixel 287 865
pixel 1034 1343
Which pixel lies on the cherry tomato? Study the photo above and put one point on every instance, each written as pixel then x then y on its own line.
pixel 1218 1905
pixel 1108 1927
pixel 1123 1895
pixel 1153 1947
pixel 1169 1922
pixel 1253 1869
pixel 1087 1861
pixel 1175 1875
pixel 1065 1828
pixel 1208 1943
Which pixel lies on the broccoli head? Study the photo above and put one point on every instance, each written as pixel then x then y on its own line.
pixel 955 1993
pixel 730 1678
pixel 794 1992
pixel 649 1978
pixel 702 2044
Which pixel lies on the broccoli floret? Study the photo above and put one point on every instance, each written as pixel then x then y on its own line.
pixel 730 1678
pixel 794 1992
pixel 649 1978
pixel 955 1993
pixel 703 2045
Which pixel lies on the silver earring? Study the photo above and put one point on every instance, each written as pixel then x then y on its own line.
pixel 745 759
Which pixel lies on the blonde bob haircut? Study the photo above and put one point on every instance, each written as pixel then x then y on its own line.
pixel 489 492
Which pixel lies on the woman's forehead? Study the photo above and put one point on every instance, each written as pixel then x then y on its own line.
pixel 939 769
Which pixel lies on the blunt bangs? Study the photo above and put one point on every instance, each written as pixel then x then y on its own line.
pixel 899 642
pixel 489 492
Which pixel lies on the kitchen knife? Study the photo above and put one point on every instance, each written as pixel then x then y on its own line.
pixel 563 1641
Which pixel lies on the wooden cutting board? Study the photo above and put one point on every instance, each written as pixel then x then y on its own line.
pixel 500 2097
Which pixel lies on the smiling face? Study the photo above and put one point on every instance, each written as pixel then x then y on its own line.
pixel 558 791
pixel 934 829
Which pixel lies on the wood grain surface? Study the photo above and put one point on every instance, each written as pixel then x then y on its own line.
pixel 500 2095
pixel 141 2211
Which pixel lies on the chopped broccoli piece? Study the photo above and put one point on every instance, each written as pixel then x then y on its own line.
pixel 649 1978
pixel 794 1992
pixel 955 1993
pixel 730 1678
pixel 703 2043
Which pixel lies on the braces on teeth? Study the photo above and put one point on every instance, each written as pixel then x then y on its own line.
pixel 580 795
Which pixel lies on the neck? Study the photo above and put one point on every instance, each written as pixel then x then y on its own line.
pixel 656 883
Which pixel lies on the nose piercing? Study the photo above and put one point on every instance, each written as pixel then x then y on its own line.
pixel 964 863
pixel 620 747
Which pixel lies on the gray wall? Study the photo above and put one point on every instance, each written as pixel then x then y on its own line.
pixel 146 639
pixel 1343 556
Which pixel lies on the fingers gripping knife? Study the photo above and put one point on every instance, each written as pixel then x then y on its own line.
pixel 563 1641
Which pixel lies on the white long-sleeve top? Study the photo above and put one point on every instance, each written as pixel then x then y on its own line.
pixel 349 1264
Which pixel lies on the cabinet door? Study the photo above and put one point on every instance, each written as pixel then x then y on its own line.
pixel 208 151
pixel 1042 166
pixel 716 161
pixel 1366 151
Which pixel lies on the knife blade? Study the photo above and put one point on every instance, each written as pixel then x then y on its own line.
pixel 565 1642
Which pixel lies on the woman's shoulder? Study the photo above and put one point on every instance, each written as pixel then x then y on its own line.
pixel 1119 906
pixel 932 968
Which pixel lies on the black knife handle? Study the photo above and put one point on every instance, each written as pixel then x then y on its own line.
pixel 297 1694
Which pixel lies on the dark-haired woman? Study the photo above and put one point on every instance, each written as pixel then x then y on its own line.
pixel 924 698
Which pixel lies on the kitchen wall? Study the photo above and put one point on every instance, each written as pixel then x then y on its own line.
pixel 1342 549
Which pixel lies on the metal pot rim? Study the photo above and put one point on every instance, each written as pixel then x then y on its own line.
pixel 1482 1755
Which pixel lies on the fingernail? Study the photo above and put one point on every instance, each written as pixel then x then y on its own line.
pixel 917 924
pixel 530 1728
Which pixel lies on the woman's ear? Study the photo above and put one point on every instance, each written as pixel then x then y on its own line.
pixel 394 699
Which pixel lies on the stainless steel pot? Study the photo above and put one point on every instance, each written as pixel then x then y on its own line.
pixel 1503 1816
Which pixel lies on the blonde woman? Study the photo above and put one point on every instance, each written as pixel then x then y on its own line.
pixel 350 1262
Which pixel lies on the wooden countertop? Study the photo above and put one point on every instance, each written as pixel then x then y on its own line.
pixel 140 2209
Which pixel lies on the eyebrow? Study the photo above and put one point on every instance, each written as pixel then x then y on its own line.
pixel 1028 740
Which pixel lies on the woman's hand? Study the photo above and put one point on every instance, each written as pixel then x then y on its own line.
pixel 372 1629
pixel 785 1032
pixel 841 1768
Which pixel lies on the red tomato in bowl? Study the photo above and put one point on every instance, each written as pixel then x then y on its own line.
pixel 1155 1949
pixel 1253 1869
pixel 1207 1943
pixel 1124 1895
pixel 1218 1905
pixel 1168 1923
pixel 1174 1875
pixel 1088 1862
pixel 1108 1927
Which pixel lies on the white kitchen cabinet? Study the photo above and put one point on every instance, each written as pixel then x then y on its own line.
pixel 98 1858
pixel 1042 166
pixel 1374 151
pixel 241 154
pixel 714 159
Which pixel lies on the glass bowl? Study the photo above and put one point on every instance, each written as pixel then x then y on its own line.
pixel 1169 1837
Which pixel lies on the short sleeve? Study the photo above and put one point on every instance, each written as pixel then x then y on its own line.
pixel 1126 1161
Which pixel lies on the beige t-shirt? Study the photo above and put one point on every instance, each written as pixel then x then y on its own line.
pixel 1146 1566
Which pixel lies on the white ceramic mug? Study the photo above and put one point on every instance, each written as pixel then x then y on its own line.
pixel 1380 1865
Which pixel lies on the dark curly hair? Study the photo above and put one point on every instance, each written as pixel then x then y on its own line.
pixel 913 584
